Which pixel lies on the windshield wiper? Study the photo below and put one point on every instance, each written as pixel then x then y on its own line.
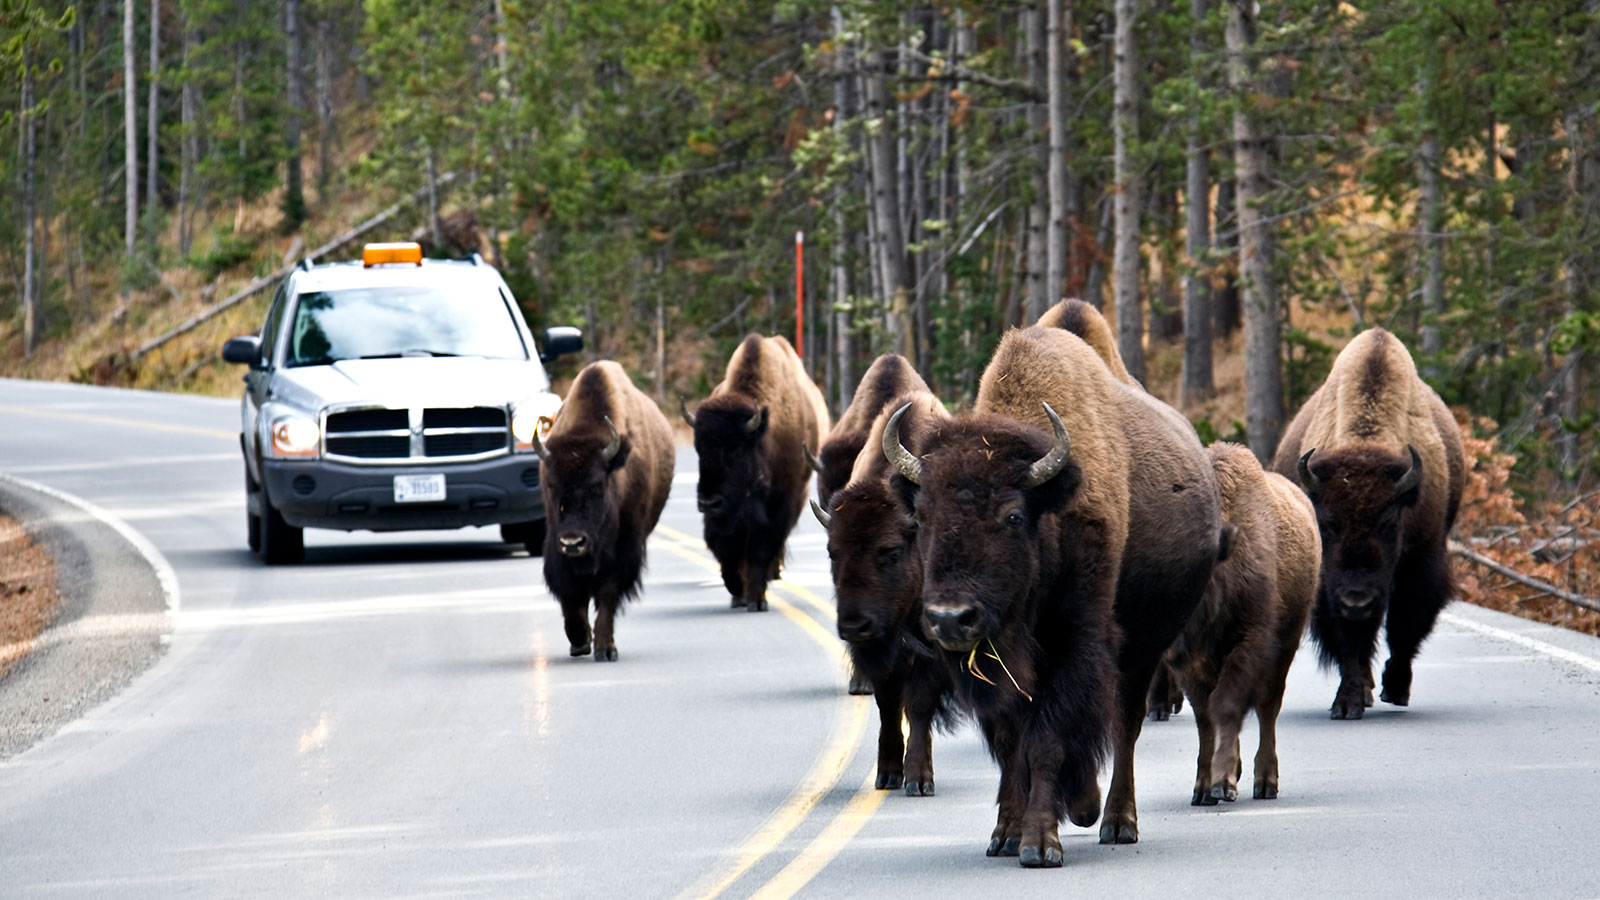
pixel 406 353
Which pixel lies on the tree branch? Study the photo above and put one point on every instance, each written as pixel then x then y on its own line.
pixel 1466 552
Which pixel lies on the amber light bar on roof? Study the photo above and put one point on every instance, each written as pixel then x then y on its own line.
pixel 379 254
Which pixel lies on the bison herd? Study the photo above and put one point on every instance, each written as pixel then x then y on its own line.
pixel 1056 562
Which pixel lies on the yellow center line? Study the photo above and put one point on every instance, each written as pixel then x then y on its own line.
pixel 799 592
pixel 827 845
pixel 122 423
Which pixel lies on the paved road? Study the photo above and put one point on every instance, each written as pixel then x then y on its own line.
pixel 398 717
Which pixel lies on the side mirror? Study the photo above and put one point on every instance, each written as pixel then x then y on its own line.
pixel 559 340
pixel 245 350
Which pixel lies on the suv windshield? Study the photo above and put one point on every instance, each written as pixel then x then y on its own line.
pixel 372 323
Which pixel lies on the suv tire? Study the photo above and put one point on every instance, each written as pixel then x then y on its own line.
pixel 252 522
pixel 281 543
pixel 528 534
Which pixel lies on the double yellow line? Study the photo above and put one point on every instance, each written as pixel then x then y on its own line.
pixel 824 774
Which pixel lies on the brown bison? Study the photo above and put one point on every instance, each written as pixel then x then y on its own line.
pixel 1381 459
pixel 1056 571
pixel 877 580
pixel 1234 654
pixel 750 435
pixel 606 468
pixel 889 376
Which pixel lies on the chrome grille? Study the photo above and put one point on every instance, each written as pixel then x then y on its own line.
pixel 391 436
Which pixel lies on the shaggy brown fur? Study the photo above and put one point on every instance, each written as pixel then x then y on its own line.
pixel 889 376
pixel 877 581
pixel 1384 550
pixel 750 435
pixel 1078 584
pixel 1234 654
pixel 601 511
pixel 1086 322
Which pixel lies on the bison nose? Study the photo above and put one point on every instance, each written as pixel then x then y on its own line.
pixel 574 544
pixel 710 504
pixel 855 627
pixel 954 625
pixel 1356 603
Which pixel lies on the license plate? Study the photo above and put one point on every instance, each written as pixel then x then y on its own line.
pixel 418 488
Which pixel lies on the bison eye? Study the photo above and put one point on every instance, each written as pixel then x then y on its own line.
pixel 888 556
pixel 1014 520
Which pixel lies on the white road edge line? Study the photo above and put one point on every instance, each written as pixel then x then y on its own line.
pixel 1577 659
pixel 164 574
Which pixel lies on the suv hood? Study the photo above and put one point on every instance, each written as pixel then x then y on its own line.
pixel 407 382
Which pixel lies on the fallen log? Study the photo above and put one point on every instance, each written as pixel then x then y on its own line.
pixel 1468 553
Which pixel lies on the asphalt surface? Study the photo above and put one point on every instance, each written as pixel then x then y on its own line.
pixel 398 717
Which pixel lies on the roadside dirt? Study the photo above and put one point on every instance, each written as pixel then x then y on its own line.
pixel 28 597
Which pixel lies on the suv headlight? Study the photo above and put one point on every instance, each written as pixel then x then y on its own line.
pixel 294 435
pixel 531 415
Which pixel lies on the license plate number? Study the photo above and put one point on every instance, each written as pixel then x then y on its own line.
pixel 418 488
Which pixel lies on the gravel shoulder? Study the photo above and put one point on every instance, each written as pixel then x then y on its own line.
pixel 106 607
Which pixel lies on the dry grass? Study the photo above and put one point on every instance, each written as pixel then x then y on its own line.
pixel 28 597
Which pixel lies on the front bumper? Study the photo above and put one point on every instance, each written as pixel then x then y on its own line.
pixel 323 494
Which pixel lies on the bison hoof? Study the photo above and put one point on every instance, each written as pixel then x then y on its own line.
pixel 1346 711
pixel 602 654
pixel 1201 797
pixel 888 781
pixel 1126 833
pixel 860 685
pixel 916 788
pixel 1159 713
pixel 1266 792
pixel 1397 700
pixel 737 602
pixel 1224 792
pixel 578 650
pixel 1031 857
pixel 757 605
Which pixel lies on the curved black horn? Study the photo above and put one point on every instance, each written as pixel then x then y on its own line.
pixel 811 458
pixel 823 516
pixel 754 422
pixel 612 446
pixel 1046 467
pixel 1413 475
pixel 538 445
pixel 1306 478
pixel 684 409
pixel 898 455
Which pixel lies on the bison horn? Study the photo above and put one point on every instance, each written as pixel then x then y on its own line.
pixel 1413 475
pixel 1306 478
pixel 754 422
pixel 684 409
pixel 811 458
pixel 612 446
pixel 538 445
pixel 1050 464
pixel 822 515
pixel 898 455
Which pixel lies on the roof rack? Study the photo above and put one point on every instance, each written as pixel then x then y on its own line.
pixel 477 258
pixel 305 263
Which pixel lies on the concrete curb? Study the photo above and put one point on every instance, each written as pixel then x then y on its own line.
pixel 118 595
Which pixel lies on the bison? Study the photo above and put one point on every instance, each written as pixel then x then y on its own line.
pixel 889 377
pixel 1056 571
pixel 1234 654
pixel 750 435
pixel 1381 459
pixel 877 580
pixel 606 468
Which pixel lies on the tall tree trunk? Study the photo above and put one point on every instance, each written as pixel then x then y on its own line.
pixel 1034 23
pixel 1058 29
pixel 152 121
pixel 190 146
pixel 294 191
pixel 843 113
pixel 327 126
pixel 1226 314
pixel 891 246
pixel 1198 383
pixel 1125 263
pixel 32 307
pixel 1262 344
pixel 1429 220
pixel 1094 283
pixel 130 131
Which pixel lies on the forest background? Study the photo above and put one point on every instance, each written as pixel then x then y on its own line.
pixel 1241 187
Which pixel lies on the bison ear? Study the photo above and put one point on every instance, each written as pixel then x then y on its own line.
pixel 624 447
pixel 758 423
pixel 904 491
pixel 1058 494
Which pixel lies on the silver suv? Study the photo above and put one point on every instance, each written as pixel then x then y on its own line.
pixel 390 394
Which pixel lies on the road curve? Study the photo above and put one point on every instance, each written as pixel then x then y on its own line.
pixel 398 717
